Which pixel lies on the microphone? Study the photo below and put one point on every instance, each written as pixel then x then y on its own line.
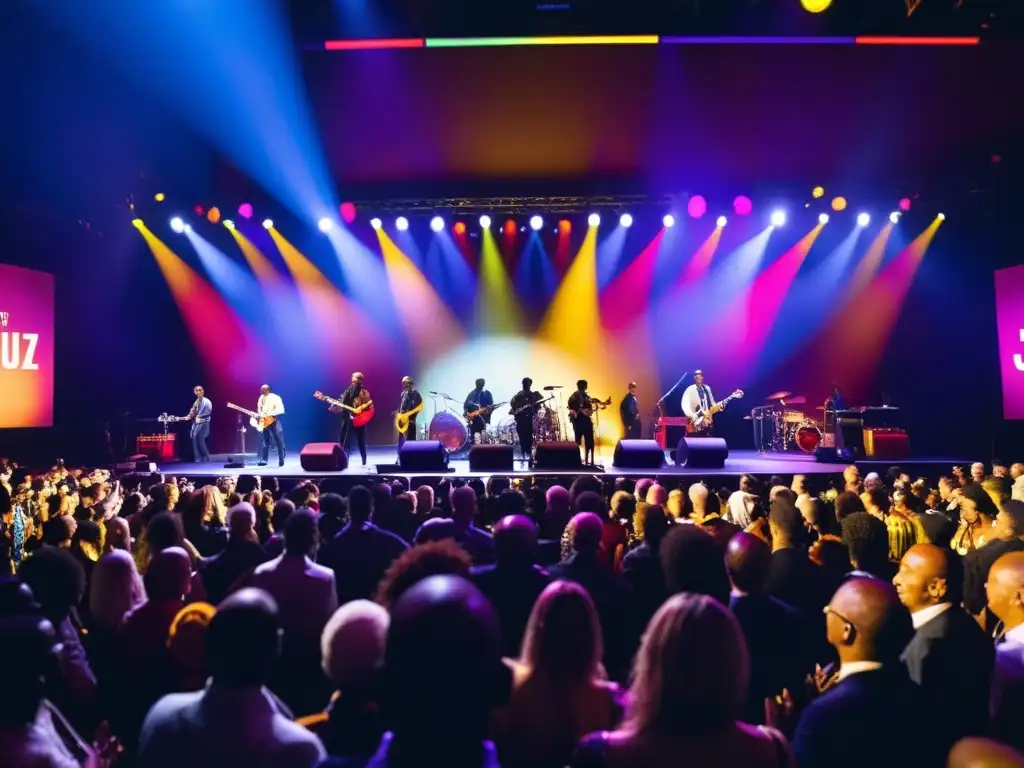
pixel 551 387
pixel 432 392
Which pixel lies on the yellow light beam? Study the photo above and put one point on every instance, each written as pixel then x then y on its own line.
pixel 258 262
pixel 497 309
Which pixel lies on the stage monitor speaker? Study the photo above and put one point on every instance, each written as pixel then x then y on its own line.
pixel 557 456
pixel 423 456
pixel 491 458
pixel 639 454
pixel 323 457
pixel 702 452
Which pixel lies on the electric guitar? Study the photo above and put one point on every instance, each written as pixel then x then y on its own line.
pixel 257 422
pixel 482 411
pixel 361 414
pixel 595 404
pixel 402 418
pixel 528 406
pixel 702 421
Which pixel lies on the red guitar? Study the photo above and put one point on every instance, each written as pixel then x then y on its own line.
pixel 361 415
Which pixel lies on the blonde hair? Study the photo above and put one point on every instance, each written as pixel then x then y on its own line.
pixel 116 589
pixel 692 669
pixel 213 505
pixel 563 636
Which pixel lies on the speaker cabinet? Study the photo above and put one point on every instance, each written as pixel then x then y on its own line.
pixel 557 456
pixel 423 456
pixel 323 457
pixel 639 454
pixel 490 458
pixel 702 452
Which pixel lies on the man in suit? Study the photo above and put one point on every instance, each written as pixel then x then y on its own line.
pixel 1005 588
pixel 875 715
pixel 774 631
pixel 629 411
pixel 949 657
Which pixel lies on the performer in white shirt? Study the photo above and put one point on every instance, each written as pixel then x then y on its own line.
pixel 271 406
pixel 697 399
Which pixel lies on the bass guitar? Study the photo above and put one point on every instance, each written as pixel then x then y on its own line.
pixel 483 411
pixel 595 405
pixel 257 422
pixel 529 406
pixel 701 422
pixel 361 414
pixel 402 418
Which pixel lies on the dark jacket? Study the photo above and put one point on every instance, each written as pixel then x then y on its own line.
pixel 512 591
pixel 221 571
pixel 359 555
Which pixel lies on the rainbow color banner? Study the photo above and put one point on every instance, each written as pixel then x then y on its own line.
pixel 26 348
pixel 1010 325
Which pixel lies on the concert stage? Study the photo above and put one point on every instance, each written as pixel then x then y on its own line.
pixel 382 460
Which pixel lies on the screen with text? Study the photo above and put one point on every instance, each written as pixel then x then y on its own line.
pixel 26 348
pixel 1010 323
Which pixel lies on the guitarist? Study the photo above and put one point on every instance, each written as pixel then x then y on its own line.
pixel 411 401
pixel 270 404
pixel 355 396
pixel 523 406
pixel 475 400
pixel 697 401
pixel 200 414
pixel 580 410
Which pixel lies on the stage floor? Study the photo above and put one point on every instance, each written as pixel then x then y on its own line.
pixel 383 461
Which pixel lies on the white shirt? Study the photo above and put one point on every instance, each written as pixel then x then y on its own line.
pixel 740 508
pixel 1018 489
pixel 691 400
pixel 856 667
pixel 270 405
pixel 922 617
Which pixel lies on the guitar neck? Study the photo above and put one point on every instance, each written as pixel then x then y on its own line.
pixel 240 409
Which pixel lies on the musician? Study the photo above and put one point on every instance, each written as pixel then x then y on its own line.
pixel 629 410
pixel 580 410
pixel 355 396
pixel 697 399
pixel 411 400
pixel 523 407
pixel 270 404
pixel 200 414
pixel 475 400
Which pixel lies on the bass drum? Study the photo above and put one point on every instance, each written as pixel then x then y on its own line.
pixel 808 438
pixel 450 431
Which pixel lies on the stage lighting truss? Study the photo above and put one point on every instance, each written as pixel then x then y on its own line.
pixel 515 207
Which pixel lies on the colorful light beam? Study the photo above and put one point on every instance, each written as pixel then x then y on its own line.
pixel 497 309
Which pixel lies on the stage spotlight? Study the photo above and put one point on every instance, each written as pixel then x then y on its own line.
pixel 401 224
pixel 159 197
pixel 485 222
pixel 817 192
pixel 188 228
pixel 815 6
pixel 229 224
pixel 594 220
pixel 565 226
pixel 894 217
pixel 904 204
pixel 941 217
pixel 376 223
pixel 863 219
pixel 437 223
pixel 459 228
pixel 625 220
pixel 268 223
pixel 536 222
pixel 348 212
pixel 177 225
pixel 668 220
pixel 823 218
pixel 778 218
pixel 213 215
pixel 839 204
pixel 245 210
pixel 137 223
pixel 722 221
pixel 325 224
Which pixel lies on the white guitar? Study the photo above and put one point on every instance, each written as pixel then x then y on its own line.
pixel 257 422
pixel 701 421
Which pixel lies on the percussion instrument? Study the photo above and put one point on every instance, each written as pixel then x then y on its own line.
pixel 545 425
pixel 779 395
pixel 793 417
pixel 807 437
pixel 450 430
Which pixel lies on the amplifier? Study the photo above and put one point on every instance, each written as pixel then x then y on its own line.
pixel 886 443
pixel 158 447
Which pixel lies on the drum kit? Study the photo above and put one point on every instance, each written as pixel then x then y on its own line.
pixel 451 428
pixel 780 426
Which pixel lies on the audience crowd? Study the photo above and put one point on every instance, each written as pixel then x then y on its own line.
pixel 876 622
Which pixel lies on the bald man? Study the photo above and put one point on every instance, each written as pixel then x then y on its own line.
pixel 950 656
pixel 1005 589
pixel 874 715
pixel 983 753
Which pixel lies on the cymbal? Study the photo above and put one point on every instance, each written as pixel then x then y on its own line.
pixel 747 418
pixel 799 400
pixel 779 395
pixel 819 407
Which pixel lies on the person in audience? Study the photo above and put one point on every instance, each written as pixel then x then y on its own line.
pixel 902 533
pixel 791 576
pixel 204 521
pixel 949 656
pixel 691 561
pixel 559 510
pixel 361 552
pixel 610 593
pixel 115 591
pixel 688 689
pixel 872 482
pixel 656 495
pixel 1017 475
pixel 974 752
pixel 868 542
pixel 332 515
pixel 1005 590
pixel 641 567
pixel 720 529
pixel 424 501
pixel 935 526
pixel 977 511
pixel 116 536
pixel 306 598
pixel 514 582
pixel 352 649
pixel 186 640
pixel 283 509
pixel 477 542
pixel 434 558
pixel 33 731
pixel 997 488
pixel 775 632
pixel 614 533
pixel 558 694
pixel 241 554
pixel 675 507
pixel 641 488
pixel 444 676
pixel 846 504
pixel 235 720
pixel 743 503
pixel 698 494
pixel 977 472
pixel 854 723
pixel 1007 536
pixel 59 531
pixel 852 481
pixel 163 532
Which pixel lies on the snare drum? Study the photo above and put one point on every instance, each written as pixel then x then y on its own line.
pixel 450 430
pixel 793 417
pixel 808 437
